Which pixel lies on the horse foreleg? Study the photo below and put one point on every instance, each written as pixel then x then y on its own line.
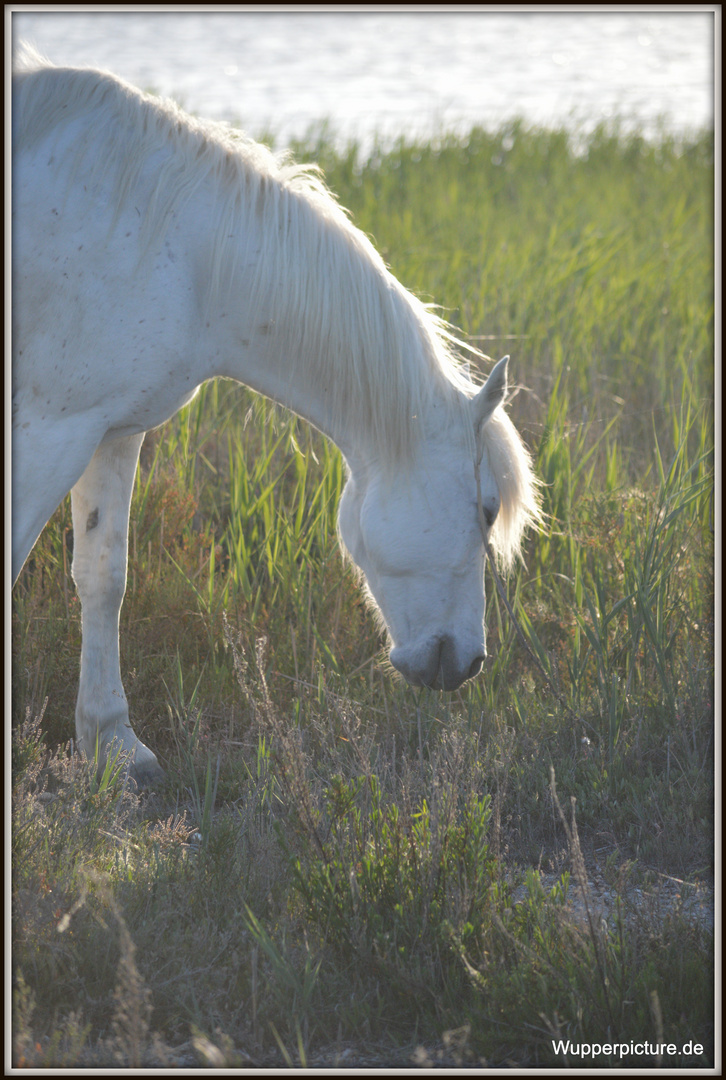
pixel 100 503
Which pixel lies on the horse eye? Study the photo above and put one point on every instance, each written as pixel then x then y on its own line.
pixel 490 514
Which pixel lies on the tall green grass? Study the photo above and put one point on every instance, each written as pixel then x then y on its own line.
pixel 337 860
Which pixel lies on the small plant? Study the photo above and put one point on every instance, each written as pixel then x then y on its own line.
pixel 390 888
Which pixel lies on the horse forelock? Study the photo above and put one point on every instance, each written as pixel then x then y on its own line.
pixel 520 503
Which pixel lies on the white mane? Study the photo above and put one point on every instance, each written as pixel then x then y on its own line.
pixel 378 350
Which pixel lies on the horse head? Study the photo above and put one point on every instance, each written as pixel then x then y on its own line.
pixel 417 541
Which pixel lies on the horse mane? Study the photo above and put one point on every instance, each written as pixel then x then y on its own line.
pixel 344 320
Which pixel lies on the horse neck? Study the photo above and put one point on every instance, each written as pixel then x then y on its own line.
pixel 329 334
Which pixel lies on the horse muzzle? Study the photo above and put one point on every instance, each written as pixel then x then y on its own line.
pixel 438 662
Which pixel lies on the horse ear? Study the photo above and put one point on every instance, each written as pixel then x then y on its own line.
pixel 491 395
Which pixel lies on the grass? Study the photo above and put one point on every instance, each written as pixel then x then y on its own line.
pixel 341 870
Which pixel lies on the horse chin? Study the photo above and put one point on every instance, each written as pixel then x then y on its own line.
pixel 438 663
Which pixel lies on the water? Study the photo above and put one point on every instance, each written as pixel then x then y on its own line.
pixel 400 73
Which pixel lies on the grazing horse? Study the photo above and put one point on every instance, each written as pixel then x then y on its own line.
pixel 153 251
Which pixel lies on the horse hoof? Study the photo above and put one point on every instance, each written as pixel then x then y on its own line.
pixel 146 774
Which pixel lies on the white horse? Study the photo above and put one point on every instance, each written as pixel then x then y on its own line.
pixel 152 252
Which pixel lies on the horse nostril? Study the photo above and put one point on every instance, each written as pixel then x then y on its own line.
pixel 476 666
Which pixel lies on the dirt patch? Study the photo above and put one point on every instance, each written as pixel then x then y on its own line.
pixel 693 901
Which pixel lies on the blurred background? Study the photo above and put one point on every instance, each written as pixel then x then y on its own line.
pixel 402 73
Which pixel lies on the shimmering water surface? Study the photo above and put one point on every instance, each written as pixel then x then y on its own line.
pixel 401 73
